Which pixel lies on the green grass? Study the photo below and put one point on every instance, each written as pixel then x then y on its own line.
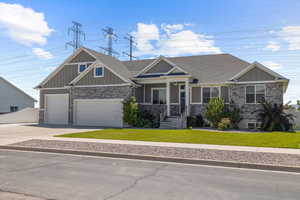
pixel 272 139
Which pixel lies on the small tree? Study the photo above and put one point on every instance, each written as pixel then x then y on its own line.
pixel 298 103
pixel 131 112
pixel 215 111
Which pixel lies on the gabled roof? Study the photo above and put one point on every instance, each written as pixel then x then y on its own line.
pixel 217 68
pixel 112 63
pixel 260 66
pixel 15 87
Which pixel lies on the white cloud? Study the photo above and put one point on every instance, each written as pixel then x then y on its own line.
pixel 171 40
pixel 170 28
pixel 24 25
pixel 41 53
pixel 144 35
pixel 273 46
pixel 272 65
pixel 290 34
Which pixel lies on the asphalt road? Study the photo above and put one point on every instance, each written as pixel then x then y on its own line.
pixel 40 176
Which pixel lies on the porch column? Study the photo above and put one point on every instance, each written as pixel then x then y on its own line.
pixel 187 96
pixel 168 98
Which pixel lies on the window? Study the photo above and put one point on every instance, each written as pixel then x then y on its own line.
pixel 209 93
pixel 158 96
pixel 225 94
pixel 82 67
pixel 254 125
pixel 14 108
pixel 98 72
pixel 255 94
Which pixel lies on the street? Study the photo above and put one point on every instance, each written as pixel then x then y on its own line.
pixel 41 176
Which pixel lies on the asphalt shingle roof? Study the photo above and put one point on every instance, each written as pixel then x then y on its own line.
pixel 206 68
pixel 113 63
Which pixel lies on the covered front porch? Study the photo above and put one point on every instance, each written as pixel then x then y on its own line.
pixel 169 96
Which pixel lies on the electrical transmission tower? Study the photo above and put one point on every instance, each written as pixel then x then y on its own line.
pixel 130 38
pixel 111 36
pixel 77 33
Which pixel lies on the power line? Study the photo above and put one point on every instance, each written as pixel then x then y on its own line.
pixel 111 36
pixel 130 38
pixel 77 33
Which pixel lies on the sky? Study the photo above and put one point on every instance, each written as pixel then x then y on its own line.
pixel 33 33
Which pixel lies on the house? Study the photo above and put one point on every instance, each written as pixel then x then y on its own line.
pixel 89 87
pixel 12 98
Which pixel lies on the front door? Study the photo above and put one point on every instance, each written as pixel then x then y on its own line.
pixel 182 98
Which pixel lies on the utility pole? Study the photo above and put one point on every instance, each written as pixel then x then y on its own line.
pixel 77 33
pixel 109 33
pixel 130 38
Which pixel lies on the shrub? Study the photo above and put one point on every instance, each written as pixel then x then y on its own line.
pixel 224 124
pixel 137 118
pixel 234 114
pixel 131 112
pixel 191 121
pixel 196 121
pixel 273 117
pixel 215 111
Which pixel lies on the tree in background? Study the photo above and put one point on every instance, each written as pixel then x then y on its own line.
pixel 298 103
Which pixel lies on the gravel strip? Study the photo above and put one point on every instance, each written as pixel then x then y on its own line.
pixel 278 159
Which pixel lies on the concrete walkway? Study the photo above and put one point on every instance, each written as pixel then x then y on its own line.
pixel 12 133
pixel 182 145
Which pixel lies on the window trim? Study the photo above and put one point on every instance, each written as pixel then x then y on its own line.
pixel 255 102
pixel 256 125
pixel 83 63
pixel 210 91
pixel 161 88
pixel 95 76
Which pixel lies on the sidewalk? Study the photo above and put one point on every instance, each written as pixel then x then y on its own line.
pixel 227 156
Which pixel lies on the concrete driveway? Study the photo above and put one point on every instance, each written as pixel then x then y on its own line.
pixel 12 133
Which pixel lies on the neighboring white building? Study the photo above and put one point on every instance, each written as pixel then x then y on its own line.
pixel 12 98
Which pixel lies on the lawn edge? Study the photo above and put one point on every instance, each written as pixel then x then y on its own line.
pixel 158 158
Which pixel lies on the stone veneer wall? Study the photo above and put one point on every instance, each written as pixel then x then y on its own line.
pixel 274 93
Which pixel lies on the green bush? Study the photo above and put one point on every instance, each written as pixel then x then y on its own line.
pixel 196 121
pixel 224 124
pixel 298 103
pixel 273 117
pixel 234 114
pixel 136 118
pixel 131 112
pixel 215 111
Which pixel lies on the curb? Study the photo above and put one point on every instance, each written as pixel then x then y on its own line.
pixel 161 159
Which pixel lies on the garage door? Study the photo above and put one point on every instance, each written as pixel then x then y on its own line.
pixel 99 112
pixel 57 106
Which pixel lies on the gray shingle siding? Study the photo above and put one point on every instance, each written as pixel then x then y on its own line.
pixel 161 67
pixel 63 77
pixel 108 79
pixel 83 57
pixel 256 74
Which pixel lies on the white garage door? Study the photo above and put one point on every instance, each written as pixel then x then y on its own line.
pixel 57 106
pixel 99 112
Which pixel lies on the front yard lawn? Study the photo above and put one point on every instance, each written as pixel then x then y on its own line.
pixel 273 139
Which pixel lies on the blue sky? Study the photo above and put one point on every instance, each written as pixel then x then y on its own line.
pixel 33 33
